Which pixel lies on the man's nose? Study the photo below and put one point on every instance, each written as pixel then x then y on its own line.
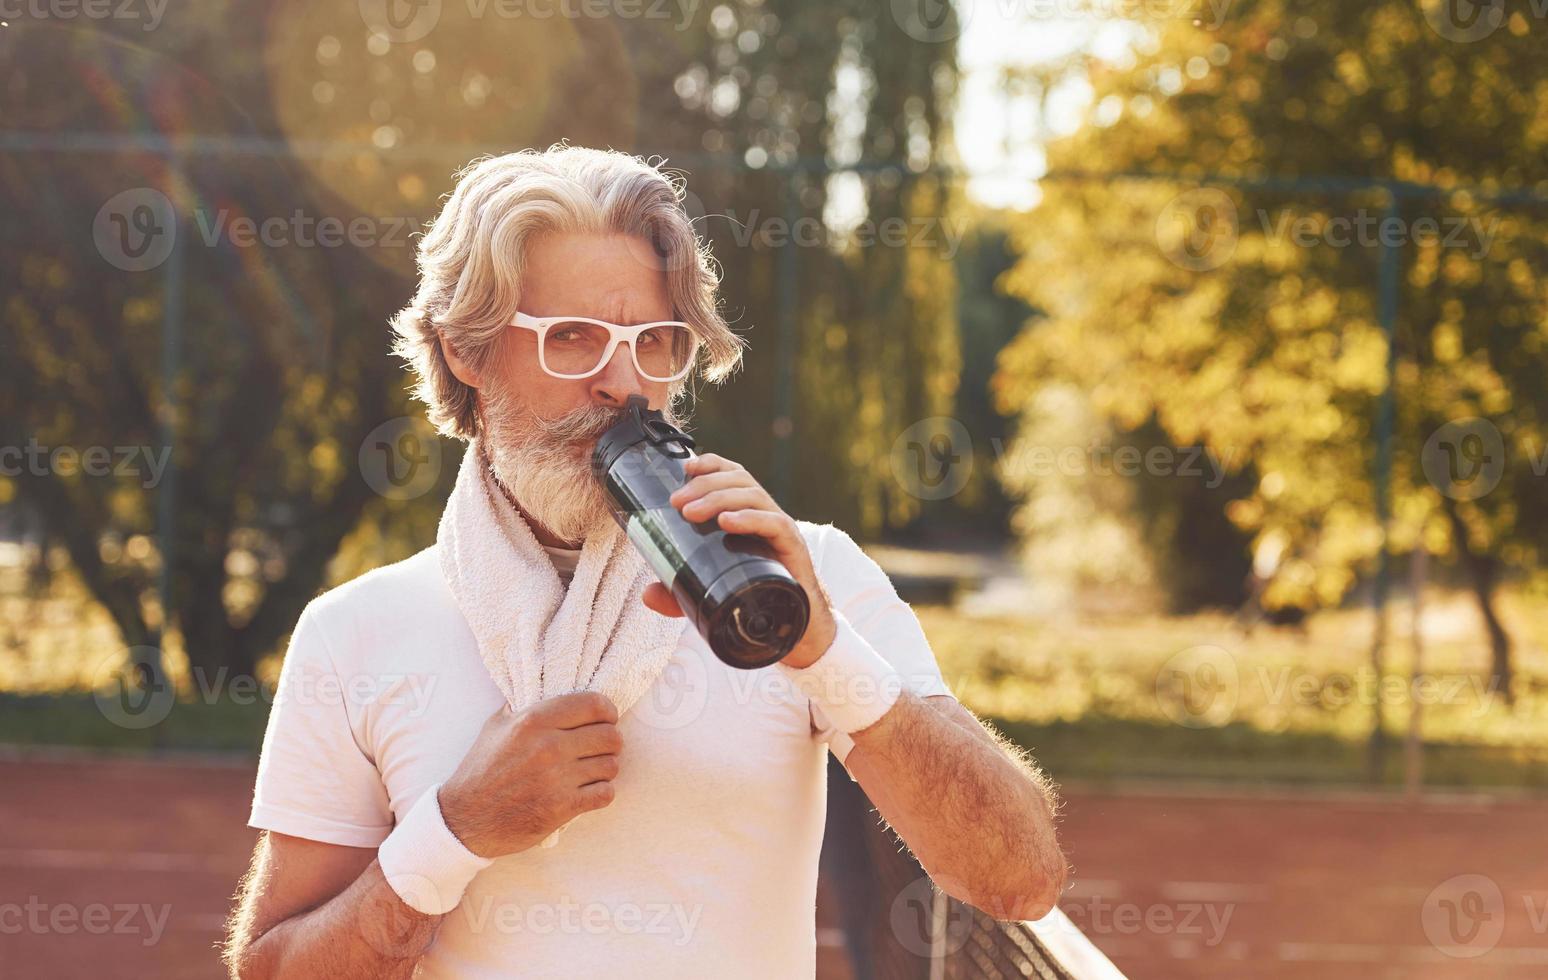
pixel 617 380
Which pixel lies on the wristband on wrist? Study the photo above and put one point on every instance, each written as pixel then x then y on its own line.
pixel 424 862
pixel 852 683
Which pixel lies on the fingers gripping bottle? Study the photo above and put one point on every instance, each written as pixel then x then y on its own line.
pixel 741 599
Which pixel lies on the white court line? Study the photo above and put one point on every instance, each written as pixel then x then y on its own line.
pixel 1094 888
pixel 1368 953
pixel 1223 892
pixel 1171 891
pixel 1331 953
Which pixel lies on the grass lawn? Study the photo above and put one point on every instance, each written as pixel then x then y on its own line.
pixel 1191 698
pixel 1160 698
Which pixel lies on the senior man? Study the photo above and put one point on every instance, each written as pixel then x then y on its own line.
pixel 506 756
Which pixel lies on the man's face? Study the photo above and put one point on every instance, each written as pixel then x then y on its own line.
pixel 541 429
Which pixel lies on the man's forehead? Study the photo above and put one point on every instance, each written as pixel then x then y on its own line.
pixel 603 279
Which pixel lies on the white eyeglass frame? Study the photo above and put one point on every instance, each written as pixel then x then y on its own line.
pixel 616 333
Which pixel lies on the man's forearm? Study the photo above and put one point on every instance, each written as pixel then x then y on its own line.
pixel 977 813
pixel 364 932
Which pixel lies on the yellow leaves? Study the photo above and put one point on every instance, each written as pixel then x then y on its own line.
pixel 1521 277
pixel 1124 398
pixel 327 462
pixel 1446 343
pixel 1282 319
pixel 1275 354
pixel 835 337
pixel 1460 270
pixel 1295 585
pixel 1440 78
pixel 1350 69
pixel 1495 399
pixel 1372 140
pixel 1361 365
pixel 1245 514
pixel 1324 422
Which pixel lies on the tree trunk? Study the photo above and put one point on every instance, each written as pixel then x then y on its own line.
pixel 1483 571
pixel 211 640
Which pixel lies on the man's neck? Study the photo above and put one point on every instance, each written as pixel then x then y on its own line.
pixel 543 535
pixel 545 538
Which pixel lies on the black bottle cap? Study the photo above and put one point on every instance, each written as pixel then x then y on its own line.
pixel 639 424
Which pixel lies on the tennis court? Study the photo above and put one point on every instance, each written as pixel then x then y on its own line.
pixel 124 868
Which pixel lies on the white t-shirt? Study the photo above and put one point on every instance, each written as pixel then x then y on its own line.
pixel 705 864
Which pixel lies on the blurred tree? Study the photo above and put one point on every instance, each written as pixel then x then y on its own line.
pixel 1224 318
pixel 842 277
pixel 281 382
pixel 274 386
pixel 987 319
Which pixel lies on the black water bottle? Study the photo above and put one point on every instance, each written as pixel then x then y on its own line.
pixel 741 599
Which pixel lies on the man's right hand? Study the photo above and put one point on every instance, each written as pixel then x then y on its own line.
pixel 531 771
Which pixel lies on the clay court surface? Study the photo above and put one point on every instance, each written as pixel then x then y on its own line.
pixel 94 853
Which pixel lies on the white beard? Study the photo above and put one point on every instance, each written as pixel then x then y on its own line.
pixel 546 463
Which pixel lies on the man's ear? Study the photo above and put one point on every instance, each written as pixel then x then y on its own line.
pixel 459 367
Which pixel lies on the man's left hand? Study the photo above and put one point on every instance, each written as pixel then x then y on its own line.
pixel 721 490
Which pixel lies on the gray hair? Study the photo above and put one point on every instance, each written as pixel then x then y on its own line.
pixel 471 260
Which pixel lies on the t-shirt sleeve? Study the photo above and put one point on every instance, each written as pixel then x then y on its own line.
pixel 866 597
pixel 314 778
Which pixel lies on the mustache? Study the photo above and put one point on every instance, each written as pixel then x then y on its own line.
pixel 584 424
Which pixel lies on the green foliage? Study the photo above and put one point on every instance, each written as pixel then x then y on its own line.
pixel 1111 698
pixel 282 367
pixel 1208 313
pixel 1092 702
pixel 987 320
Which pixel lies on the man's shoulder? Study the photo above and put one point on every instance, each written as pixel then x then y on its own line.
pixel 409 578
pixel 404 597
pixel 837 555
pixel 816 537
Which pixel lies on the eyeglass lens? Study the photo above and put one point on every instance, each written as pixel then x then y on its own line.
pixel 576 347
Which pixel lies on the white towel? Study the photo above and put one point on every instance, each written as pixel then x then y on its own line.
pixel 538 639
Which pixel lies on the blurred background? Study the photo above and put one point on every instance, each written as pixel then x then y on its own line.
pixel 1182 361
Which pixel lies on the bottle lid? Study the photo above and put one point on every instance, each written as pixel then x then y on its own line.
pixel 639 424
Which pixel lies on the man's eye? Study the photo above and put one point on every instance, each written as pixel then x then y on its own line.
pixel 565 336
pixel 649 338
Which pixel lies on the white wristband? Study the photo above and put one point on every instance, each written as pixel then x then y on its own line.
pixel 424 862
pixel 852 683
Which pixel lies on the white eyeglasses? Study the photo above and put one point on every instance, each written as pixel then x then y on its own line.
pixel 574 347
